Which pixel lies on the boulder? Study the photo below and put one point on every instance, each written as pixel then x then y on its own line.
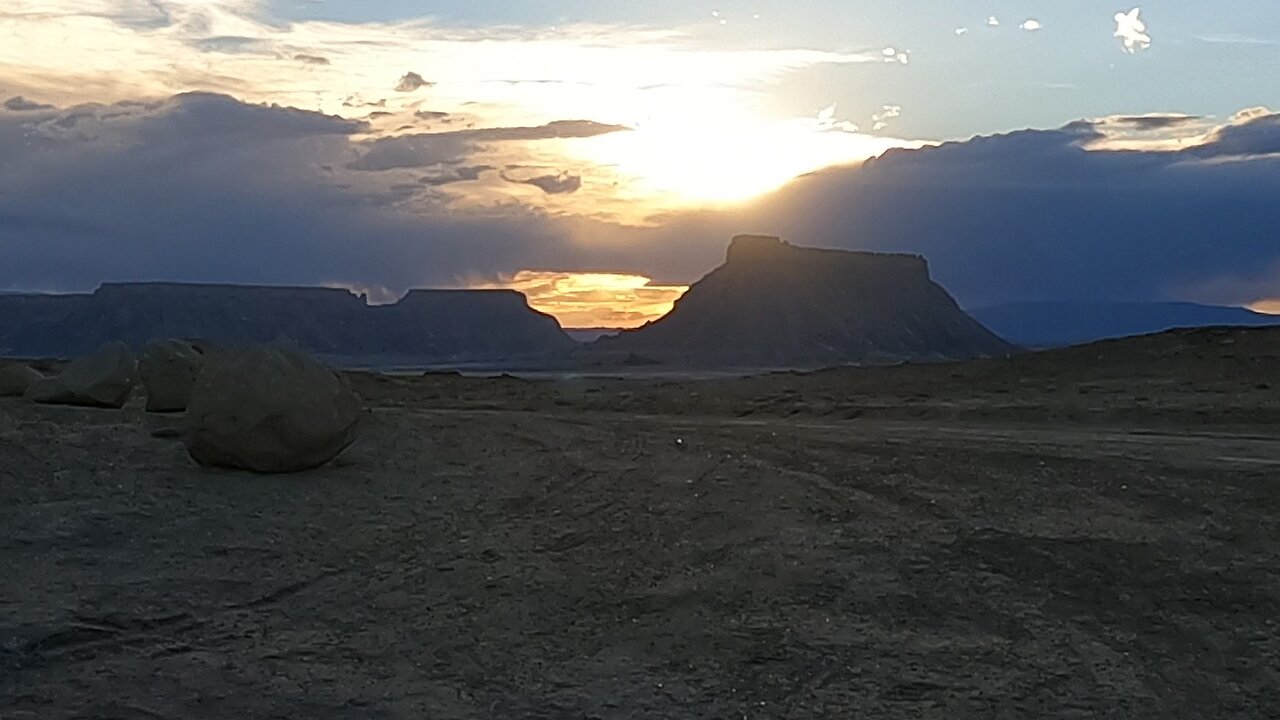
pixel 16 378
pixel 48 391
pixel 103 379
pixel 169 370
pixel 269 410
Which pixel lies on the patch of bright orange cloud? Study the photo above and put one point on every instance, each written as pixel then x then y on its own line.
pixel 1268 306
pixel 593 300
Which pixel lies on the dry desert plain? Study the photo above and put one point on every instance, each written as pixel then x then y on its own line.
pixel 1086 533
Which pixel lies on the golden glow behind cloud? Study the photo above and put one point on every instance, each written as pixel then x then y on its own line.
pixel 1269 306
pixel 591 300
pixel 696 158
pixel 701 135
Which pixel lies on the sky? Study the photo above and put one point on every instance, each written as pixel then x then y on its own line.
pixel 599 155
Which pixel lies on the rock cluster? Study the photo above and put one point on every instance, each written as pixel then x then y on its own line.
pixel 266 409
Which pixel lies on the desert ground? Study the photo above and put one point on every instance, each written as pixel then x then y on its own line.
pixel 1088 533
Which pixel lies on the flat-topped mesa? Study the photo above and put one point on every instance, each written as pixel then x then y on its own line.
pixel 490 324
pixel 492 312
pixel 765 251
pixel 773 304
pixel 220 292
pixel 426 326
pixel 500 299
pixel 747 248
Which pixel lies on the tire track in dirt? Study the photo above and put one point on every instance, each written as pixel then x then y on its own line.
pixel 1195 449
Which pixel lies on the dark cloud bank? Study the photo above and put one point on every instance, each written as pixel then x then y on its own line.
pixel 204 188
pixel 1032 215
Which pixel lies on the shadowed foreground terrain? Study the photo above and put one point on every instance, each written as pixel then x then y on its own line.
pixel 1086 533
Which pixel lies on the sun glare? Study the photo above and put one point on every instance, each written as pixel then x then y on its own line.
pixel 593 300
pixel 725 158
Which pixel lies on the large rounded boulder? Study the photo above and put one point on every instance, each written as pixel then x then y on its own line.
pixel 15 378
pixel 169 370
pixel 269 410
pixel 104 379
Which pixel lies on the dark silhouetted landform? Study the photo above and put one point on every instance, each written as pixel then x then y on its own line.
pixel 426 326
pixel 773 304
pixel 589 335
pixel 1059 324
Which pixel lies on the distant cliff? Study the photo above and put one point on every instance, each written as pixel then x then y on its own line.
pixel 425 326
pixel 773 304
pixel 1058 324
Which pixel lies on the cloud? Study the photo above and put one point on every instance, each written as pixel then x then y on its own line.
pixel 1147 132
pixel 1254 132
pixel 424 149
pixel 1037 215
pixel 202 187
pixel 205 188
pixel 234 45
pixel 465 173
pixel 686 98
pixel 1151 122
pixel 1235 39
pixel 1132 31
pixel 561 184
pixel 828 121
pixel 556 129
pixel 894 55
pixel 412 151
pixel 123 49
pixel 410 82
pixel 21 104
pixel 357 102
pixel 880 120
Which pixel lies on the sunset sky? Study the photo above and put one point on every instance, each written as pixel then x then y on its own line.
pixel 599 154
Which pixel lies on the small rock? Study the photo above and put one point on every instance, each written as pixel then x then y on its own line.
pixel 16 378
pixel 103 379
pixel 270 410
pixel 164 427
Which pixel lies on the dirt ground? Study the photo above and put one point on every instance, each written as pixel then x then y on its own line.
pixel 1092 533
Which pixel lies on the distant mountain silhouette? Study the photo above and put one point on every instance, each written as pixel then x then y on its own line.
pixel 1058 324
pixel 587 335
pixel 773 304
pixel 425 326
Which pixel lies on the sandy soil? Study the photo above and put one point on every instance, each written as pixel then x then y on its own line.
pixel 1093 533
